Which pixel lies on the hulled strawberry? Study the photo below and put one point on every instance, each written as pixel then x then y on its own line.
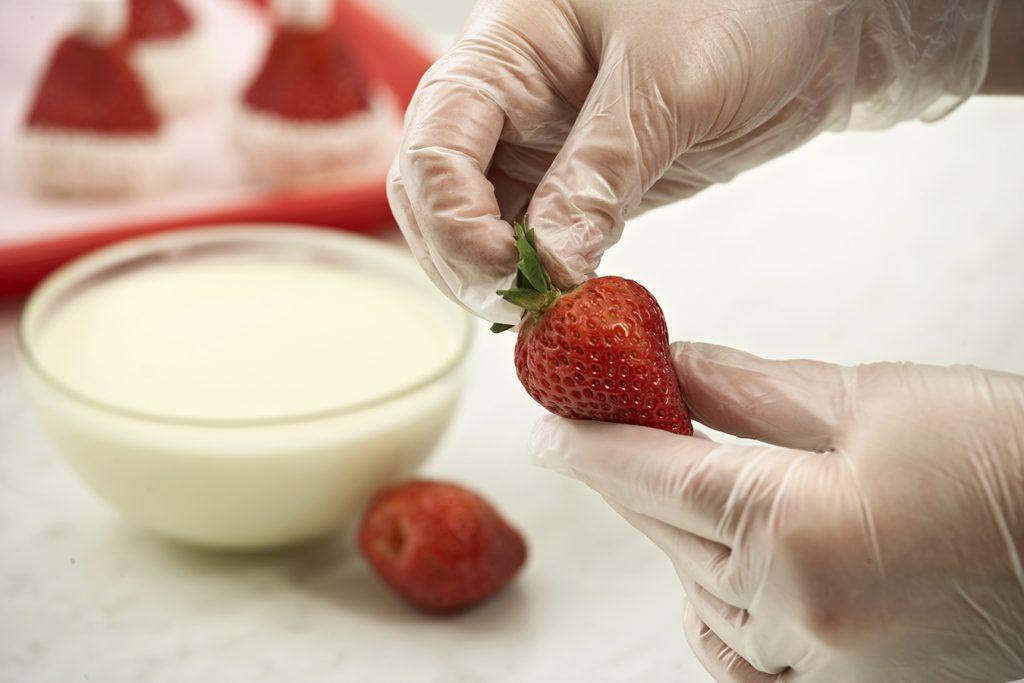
pixel 157 20
pixel 598 352
pixel 90 87
pixel 307 75
pixel 440 546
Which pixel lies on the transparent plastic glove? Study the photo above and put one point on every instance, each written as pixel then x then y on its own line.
pixel 585 112
pixel 878 540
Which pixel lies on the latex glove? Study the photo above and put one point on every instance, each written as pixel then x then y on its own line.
pixel 880 539
pixel 586 112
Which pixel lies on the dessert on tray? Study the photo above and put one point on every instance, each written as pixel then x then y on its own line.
pixel 308 117
pixel 90 129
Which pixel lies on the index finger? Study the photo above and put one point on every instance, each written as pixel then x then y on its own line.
pixel 713 490
pixel 451 133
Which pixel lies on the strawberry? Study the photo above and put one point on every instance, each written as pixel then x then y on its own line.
pixel 596 352
pixel 91 87
pixel 307 75
pixel 157 19
pixel 438 545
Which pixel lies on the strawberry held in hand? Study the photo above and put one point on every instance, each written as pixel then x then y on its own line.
pixel 597 352
pixel 440 546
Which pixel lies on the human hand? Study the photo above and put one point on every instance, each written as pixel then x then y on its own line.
pixel 586 112
pixel 879 538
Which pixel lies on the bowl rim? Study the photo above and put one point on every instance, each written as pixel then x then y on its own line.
pixel 78 271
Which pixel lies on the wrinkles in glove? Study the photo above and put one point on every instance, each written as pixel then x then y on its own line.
pixel 875 534
pixel 583 113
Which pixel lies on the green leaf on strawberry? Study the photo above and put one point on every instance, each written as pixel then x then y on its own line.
pixel 534 290
pixel 529 262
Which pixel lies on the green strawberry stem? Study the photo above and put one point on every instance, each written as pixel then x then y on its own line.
pixel 534 290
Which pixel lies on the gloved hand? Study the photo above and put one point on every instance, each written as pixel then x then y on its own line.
pixel 879 539
pixel 586 112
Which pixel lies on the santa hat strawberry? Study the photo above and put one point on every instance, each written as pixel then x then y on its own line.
pixel 169 52
pixel 308 116
pixel 90 129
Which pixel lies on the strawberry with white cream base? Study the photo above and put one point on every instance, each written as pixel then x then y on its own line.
pixel 90 129
pixel 308 117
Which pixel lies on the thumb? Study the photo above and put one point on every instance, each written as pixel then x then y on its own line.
pixel 800 404
pixel 618 146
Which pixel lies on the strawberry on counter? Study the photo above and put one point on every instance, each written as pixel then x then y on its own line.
pixel 440 546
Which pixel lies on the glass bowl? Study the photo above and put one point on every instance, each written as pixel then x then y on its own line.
pixel 243 483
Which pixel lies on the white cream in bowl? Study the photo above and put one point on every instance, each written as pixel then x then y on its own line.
pixel 243 387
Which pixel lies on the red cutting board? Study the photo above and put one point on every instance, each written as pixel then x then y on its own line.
pixel 37 235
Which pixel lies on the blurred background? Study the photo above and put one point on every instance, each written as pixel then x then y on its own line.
pixel 444 17
pixel 905 244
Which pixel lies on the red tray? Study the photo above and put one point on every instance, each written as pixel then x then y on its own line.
pixel 386 52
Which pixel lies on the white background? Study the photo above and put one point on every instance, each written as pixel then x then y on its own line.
pixel 903 245
pixel 443 17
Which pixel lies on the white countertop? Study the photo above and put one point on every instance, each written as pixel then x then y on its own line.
pixel 900 245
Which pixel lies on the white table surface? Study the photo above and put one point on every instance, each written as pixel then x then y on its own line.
pixel 906 245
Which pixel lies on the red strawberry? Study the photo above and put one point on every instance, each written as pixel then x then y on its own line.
pixel 88 86
pixel 597 352
pixel 157 19
pixel 307 75
pixel 440 546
